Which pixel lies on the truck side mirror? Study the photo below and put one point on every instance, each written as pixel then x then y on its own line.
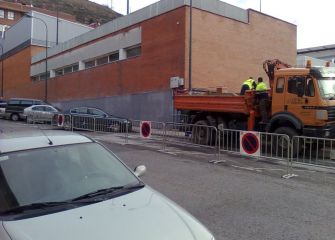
pixel 300 89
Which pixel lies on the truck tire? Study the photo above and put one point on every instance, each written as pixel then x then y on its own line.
pixel 14 117
pixel 201 133
pixel 282 146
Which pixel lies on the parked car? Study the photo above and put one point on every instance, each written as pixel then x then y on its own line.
pixel 40 113
pixel 60 185
pixel 3 105
pixel 15 107
pixel 89 118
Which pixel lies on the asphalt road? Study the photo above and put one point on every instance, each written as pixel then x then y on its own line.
pixel 233 201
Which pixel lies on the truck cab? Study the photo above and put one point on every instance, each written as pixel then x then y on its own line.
pixel 303 102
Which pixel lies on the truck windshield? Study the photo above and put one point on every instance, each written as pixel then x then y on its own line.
pixel 327 88
pixel 56 174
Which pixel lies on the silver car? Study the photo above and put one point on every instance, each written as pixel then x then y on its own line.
pixel 39 113
pixel 59 185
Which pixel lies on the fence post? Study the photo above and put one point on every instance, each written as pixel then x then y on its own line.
pixel 71 121
pixel 126 132
pixel 164 136
pixel 218 140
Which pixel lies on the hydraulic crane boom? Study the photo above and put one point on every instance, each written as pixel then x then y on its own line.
pixel 270 66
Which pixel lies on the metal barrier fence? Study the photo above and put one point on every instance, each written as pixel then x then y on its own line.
pixel 307 150
pixel 270 145
pixel 313 151
pixel 191 134
pixel 157 128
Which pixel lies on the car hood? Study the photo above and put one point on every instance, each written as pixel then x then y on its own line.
pixel 143 215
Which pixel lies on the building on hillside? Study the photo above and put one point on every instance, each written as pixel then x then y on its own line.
pixel 326 52
pixel 10 13
pixel 25 39
pixel 125 66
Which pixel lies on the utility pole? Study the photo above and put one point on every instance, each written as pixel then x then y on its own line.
pixel 57 33
pixel 260 5
pixel 190 51
pixel 127 7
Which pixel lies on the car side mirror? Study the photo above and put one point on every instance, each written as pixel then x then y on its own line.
pixel 140 170
pixel 300 90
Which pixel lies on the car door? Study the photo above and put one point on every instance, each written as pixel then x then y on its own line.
pixel 302 107
pixel 48 113
pixel 39 112
pixel 278 98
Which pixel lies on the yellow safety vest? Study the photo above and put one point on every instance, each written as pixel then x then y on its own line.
pixel 261 87
pixel 249 82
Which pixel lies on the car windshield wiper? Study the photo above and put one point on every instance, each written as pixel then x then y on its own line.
pixel 106 191
pixel 35 206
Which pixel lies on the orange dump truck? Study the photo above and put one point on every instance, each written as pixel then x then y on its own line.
pixel 301 101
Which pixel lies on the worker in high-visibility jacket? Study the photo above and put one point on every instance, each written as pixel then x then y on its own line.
pixel 262 98
pixel 261 86
pixel 248 84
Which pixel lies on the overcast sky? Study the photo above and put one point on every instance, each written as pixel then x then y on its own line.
pixel 313 18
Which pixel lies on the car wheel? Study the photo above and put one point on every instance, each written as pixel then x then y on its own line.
pixel 14 117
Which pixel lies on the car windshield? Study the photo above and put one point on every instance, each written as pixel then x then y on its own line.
pixel 58 174
pixel 327 88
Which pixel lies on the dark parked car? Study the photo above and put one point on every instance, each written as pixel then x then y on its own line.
pixel 15 107
pixel 94 119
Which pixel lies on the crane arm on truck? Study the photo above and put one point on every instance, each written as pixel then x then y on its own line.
pixel 270 66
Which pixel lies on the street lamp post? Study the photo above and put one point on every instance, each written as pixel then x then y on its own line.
pixel 46 55
pixel 2 59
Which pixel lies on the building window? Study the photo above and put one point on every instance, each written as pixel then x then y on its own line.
pixel 90 64
pixel 10 15
pixel 40 77
pixel 2 13
pixel 68 70
pixel 59 72
pixel 75 67
pixel 114 57
pixel 102 60
pixel 34 78
pixel 133 52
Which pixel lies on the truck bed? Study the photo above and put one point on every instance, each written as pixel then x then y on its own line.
pixel 213 103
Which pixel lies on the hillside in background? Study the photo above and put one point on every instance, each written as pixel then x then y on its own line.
pixel 86 12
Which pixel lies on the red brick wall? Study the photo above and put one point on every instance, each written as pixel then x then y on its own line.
pixel 17 75
pixel 226 52
pixel 162 57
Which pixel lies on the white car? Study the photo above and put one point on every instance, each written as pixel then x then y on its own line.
pixel 39 113
pixel 60 185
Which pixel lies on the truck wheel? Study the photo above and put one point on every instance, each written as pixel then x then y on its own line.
pixel 14 117
pixel 281 146
pixel 201 132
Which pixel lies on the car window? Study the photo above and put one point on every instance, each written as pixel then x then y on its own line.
pixel 293 83
pixel 48 109
pixel 74 110
pixel 14 102
pixel 68 172
pixel 95 111
pixel 38 108
pixel 26 102
pixel 82 110
pixel 38 102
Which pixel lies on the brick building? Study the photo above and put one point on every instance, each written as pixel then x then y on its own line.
pixel 125 66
